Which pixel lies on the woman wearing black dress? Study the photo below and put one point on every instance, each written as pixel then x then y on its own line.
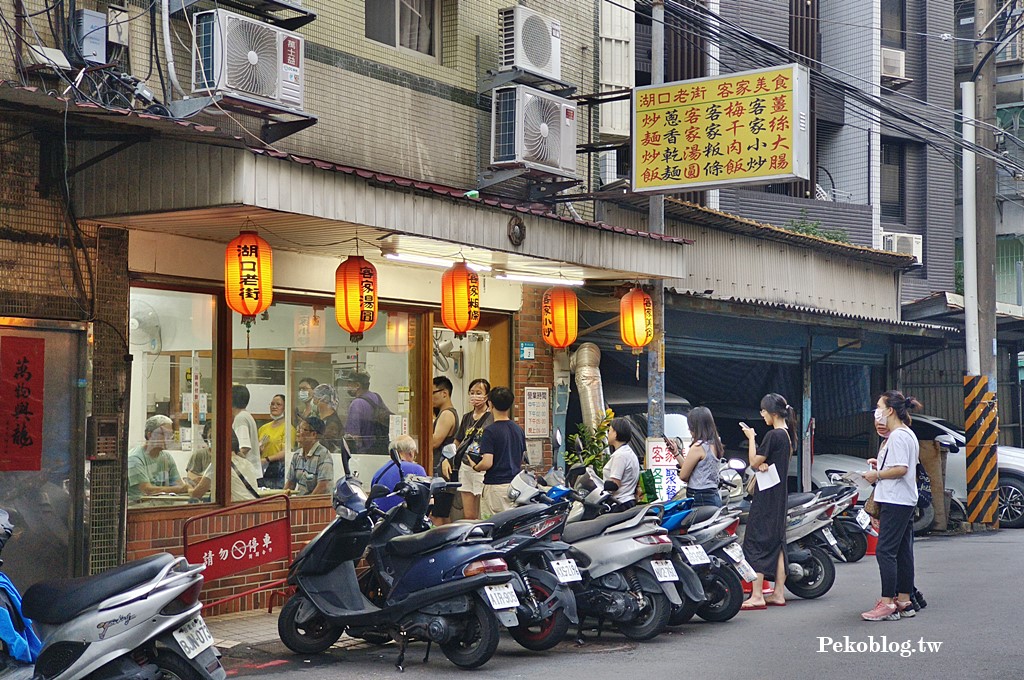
pixel 764 544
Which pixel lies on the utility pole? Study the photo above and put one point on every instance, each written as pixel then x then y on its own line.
pixel 656 224
pixel 981 419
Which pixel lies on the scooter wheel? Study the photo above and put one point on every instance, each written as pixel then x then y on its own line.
pixel 313 635
pixel 478 641
pixel 683 613
pixel 174 667
pixel 652 621
pixel 724 591
pixel 854 545
pixel 819 577
pixel 546 633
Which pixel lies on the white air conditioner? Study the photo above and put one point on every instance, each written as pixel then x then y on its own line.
pixel 248 60
pixel 530 41
pixel 906 244
pixel 534 129
pixel 894 63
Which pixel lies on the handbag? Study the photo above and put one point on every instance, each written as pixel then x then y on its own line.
pixel 871 506
pixel 752 485
pixel 648 487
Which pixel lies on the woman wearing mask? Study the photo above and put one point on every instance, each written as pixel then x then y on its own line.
pixel 467 443
pixel 325 401
pixel 305 407
pixel 764 543
pixel 622 471
pixel 699 467
pixel 273 438
pixel 894 475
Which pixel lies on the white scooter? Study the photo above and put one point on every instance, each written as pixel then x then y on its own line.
pixel 139 621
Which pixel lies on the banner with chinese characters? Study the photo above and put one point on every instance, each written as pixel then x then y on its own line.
pixel 22 375
pixel 660 461
pixel 242 550
pixel 742 128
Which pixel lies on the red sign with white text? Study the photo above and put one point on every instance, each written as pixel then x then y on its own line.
pixel 22 371
pixel 231 553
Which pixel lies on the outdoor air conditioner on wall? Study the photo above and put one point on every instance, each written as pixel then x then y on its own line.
pixel 894 63
pixel 534 129
pixel 907 244
pixel 248 60
pixel 530 41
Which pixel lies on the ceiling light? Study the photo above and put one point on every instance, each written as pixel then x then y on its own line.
pixel 433 261
pixel 550 280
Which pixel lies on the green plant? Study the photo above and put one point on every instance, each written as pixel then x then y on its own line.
pixel 814 228
pixel 590 445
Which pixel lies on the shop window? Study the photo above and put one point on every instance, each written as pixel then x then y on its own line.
pixel 171 440
pixel 364 394
pixel 409 24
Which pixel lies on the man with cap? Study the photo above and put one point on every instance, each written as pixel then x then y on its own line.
pixel 361 425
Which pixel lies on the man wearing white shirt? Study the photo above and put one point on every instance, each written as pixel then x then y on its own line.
pixel 244 427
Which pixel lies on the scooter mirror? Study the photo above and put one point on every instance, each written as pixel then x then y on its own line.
pixel 393 453
pixel 378 491
pixel 947 442
pixel 557 439
pixel 737 464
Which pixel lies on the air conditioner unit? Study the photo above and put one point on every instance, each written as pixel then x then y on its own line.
pixel 531 42
pixel 906 244
pixel 894 63
pixel 534 129
pixel 247 60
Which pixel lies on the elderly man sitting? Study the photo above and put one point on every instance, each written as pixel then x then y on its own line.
pixel 151 470
pixel 390 475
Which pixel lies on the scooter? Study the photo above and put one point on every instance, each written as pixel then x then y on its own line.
pixel 448 585
pixel 139 621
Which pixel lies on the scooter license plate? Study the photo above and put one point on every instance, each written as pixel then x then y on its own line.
pixel 746 571
pixel 566 570
pixel 194 637
pixel 829 537
pixel 502 597
pixel 664 570
pixel 863 519
pixel 696 555
pixel 734 551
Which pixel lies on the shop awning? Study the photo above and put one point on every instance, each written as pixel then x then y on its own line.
pixel 303 204
pixel 948 308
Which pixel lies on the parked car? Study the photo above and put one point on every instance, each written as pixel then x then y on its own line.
pixel 1010 462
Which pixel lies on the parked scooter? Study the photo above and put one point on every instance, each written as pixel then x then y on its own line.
pixel 139 621
pixel 448 585
pixel 851 536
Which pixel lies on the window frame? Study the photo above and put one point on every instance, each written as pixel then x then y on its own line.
pixel 436 33
pixel 902 147
pixel 902 43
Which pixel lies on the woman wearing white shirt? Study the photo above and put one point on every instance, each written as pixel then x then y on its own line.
pixel 895 480
pixel 622 471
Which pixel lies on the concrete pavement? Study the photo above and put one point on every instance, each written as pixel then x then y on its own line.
pixel 972 625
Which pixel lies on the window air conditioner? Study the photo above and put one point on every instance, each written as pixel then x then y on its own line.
pixel 894 63
pixel 247 60
pixel 534 129
pixel 530 41
pixel 906 244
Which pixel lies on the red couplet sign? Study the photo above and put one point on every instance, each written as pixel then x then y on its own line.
pixel 22 372
pixel 241 550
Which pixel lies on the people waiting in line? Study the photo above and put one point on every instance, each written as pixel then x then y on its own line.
pixel 273 442
pixel 502 448
pixel 700 466
pixel 764 543
pixel 243 478
pixel 390 474
pixel 151 469
pixel 201 457
pixel 622 471
pixel 325 403
pixel 312 469
pixel 361 426
pixel 467 448
pixel 304 404
pixel 244 426
pixel 894 474
pixel 446 422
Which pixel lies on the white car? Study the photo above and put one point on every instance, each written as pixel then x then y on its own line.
pixel 1010 461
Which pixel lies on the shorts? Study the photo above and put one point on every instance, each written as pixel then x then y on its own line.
pixel 495 499
pixel 442 508
pixel 472 481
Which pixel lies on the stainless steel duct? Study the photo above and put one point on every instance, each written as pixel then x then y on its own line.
pixel 586 364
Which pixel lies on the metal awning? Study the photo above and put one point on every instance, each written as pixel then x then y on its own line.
pixel 948 308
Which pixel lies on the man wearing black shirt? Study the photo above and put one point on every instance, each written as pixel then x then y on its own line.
pixel 502 446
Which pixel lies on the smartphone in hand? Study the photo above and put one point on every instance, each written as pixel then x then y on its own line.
pixel 744 426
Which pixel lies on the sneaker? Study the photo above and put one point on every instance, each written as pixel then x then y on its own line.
pixel 906 609
pixel 882 612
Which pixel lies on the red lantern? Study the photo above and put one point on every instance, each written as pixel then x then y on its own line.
pixel 355 296
pixel 249 275
pixel 460 299
pixel 636 319
pixel 559 317
pixel 397 332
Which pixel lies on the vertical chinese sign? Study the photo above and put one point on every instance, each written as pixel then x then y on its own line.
pixel 22 370
pixel 743 128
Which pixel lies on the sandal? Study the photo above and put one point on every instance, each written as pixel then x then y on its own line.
pixel 746 606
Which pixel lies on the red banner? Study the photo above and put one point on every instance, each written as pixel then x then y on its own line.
pixel 22 371
pixel 231 553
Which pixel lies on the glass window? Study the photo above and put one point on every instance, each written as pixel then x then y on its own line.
pixel 894 23
pixel 893 180
pixel 411 24
pixel 299 364
pixel 170 456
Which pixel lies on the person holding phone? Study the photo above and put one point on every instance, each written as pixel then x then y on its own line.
pixel 764 543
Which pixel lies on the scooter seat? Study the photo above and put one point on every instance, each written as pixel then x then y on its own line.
pixel 577 531
pixel 61 600
pixel 505 520
pixel 417 544
pixel 832 491
pixel 796 499
pixel 702 513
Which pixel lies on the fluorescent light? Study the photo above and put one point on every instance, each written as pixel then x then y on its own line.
pixel 554 281
pixel 433 261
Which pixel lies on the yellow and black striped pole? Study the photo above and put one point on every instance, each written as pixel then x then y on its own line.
pixel 982 429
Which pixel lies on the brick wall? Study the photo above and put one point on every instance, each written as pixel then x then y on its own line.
pixel 538 372
pixel 153 532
